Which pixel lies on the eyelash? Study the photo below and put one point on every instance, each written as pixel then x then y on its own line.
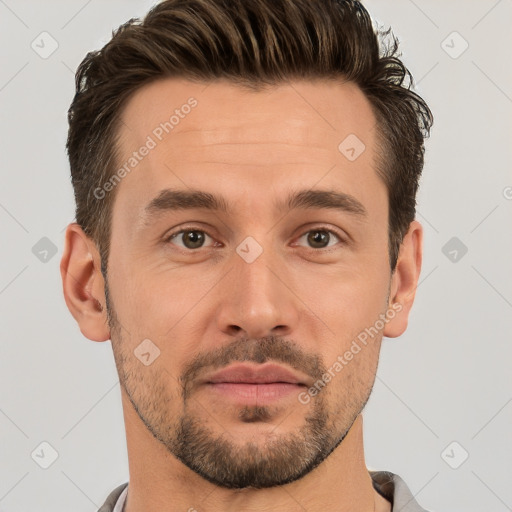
pixel 173 235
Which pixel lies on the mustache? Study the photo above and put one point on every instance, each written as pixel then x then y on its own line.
pixel 268 348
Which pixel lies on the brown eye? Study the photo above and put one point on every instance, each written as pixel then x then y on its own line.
pixel 190 238
pixel 321 238
pixel 318 238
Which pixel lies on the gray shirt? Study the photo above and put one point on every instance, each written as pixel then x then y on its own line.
pixel 388 484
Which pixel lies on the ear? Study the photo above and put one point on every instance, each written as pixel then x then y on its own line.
pixel 404 280
pixel 83 284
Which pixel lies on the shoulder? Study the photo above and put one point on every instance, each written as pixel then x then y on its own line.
pixel 394 489
pixel 112 498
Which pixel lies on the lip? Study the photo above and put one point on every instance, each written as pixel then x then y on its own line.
pixel 269 373
pixel 260 384
pixel 254 394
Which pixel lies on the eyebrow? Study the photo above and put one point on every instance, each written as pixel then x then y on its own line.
pixel 175 199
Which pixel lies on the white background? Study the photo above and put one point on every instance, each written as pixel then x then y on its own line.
pixel 447 379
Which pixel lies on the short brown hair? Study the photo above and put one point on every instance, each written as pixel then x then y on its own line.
pixel 251 43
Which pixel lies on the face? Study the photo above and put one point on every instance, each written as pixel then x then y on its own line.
pixel 289 270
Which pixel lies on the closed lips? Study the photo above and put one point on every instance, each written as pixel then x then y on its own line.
pixel 261 374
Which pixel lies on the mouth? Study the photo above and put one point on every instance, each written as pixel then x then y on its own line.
pixel 255 394
pixel 255 385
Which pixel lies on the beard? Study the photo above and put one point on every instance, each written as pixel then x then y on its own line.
pixel 217 457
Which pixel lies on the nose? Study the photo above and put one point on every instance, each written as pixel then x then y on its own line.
pixel 257 299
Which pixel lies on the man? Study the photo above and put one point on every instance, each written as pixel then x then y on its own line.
pixel 245 175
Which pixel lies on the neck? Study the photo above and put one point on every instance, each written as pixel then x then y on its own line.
pixel 159 481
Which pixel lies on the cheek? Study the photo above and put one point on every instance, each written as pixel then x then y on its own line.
pixel 164 305
pixel 348 301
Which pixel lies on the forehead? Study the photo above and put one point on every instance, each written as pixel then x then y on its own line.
pixel 220 137
pixel 295 110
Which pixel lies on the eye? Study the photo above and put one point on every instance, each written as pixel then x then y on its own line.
pixel 190 238
pixel 320 238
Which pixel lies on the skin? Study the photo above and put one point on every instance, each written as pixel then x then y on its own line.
pixel 294 299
